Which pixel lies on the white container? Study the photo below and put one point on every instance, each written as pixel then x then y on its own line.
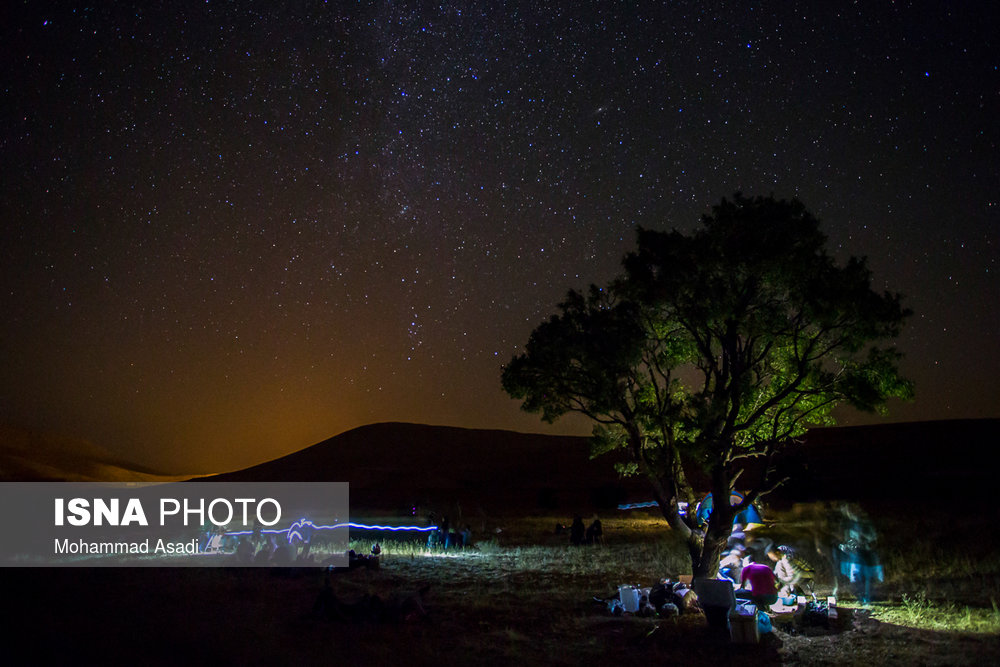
pixel 629 595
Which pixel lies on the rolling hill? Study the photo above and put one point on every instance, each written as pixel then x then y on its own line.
pixel 43 457
pixel 390 465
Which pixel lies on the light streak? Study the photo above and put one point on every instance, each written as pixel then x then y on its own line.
pixel 681 506
pixel 294 530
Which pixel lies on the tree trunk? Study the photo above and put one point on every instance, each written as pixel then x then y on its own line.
pixel 720 527
pixel 664 489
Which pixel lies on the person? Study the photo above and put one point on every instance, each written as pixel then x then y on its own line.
pixel 244 551
pixel 443 532
pixel 759 546
pixel 576 531
pixel 466 536
pixel 791 572
pixel 763 587
pixel 737 537
pixel 731 566
pixel 595 533
pixel 858 560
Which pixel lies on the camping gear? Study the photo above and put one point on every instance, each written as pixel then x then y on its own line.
pixel 743 625
pixel 764 623
pixel 749 518
pixel 629 596
pixel 716 598
pixel 816 614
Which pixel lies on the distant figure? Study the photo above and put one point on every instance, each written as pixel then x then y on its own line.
pixel 282 555
pixel 443 532
pixel 577 531
pixel 266 550
pixel 595 532
pixel 244 551
pixel 763 587
pixel 466 536
pixel 305 536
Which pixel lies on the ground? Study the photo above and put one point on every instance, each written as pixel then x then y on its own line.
pixel 521 596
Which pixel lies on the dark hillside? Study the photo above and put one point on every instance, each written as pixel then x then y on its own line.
pixel 391 465
pixel 927 463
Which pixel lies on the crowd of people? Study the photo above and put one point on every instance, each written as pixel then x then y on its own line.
pixel 446 537
pixel 580 534
pixel 762 571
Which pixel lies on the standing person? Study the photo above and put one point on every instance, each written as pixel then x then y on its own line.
pixel 763 587
pixel 859 561
pixel 443 532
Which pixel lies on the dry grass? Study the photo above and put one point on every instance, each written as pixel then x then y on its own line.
pixel 521 596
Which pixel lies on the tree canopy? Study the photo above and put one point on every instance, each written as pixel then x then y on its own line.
pixel 714 349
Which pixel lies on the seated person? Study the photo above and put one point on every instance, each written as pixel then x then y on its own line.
pixel 731 565
pixel 737 537
pixel 763 587
pixel 595 532
pixel 790 572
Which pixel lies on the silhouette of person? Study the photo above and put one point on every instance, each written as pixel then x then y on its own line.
pixel 595 532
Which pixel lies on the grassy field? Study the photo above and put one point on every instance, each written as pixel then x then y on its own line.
pixel 521 595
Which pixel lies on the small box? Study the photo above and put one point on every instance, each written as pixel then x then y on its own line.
pixel 743 629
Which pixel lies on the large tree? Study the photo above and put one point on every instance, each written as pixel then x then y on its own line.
pixel 716 349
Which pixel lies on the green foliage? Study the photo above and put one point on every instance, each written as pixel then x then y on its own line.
pixel 917 611
pixel 719 346
pixel 579 360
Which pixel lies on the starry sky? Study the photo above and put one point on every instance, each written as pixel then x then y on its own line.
pixel 232 230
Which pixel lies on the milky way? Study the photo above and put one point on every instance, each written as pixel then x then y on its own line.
pixel 229 232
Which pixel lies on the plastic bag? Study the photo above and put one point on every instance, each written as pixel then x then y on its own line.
pixel 764 623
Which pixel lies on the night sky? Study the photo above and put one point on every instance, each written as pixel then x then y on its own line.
pixel 231 230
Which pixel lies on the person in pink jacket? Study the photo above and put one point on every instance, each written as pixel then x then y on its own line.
pixel 763 588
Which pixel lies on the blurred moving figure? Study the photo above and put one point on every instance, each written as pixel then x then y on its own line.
pixel 854 555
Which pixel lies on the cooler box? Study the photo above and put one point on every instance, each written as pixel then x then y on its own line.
pixel 743 629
